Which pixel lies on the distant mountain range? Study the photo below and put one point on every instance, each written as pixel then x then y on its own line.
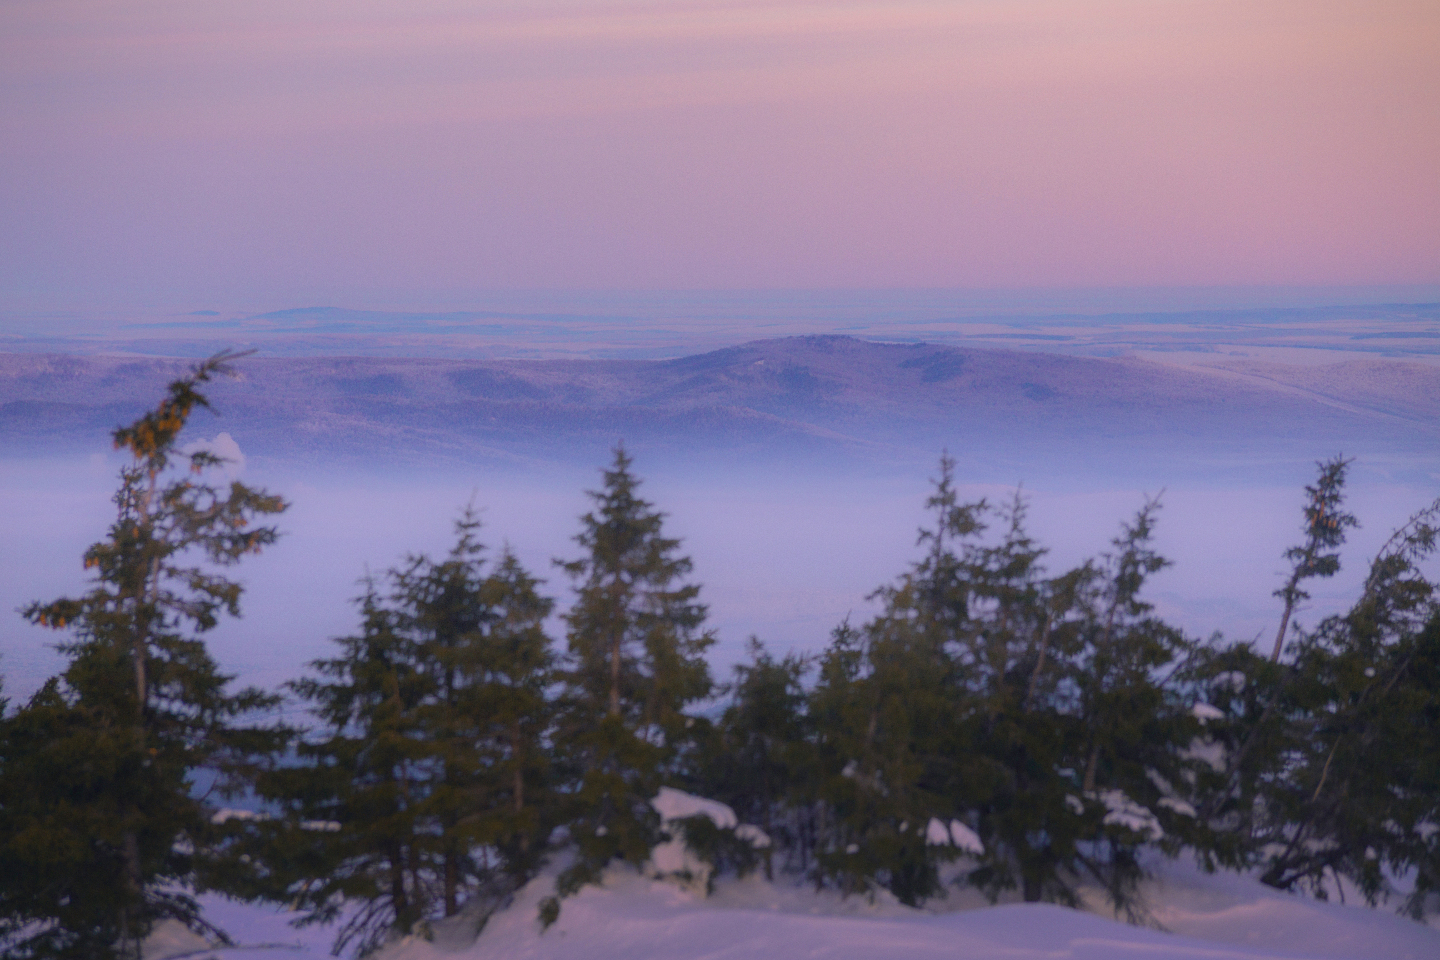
pixel 811 399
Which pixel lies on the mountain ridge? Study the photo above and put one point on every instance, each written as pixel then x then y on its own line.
pixel 823 395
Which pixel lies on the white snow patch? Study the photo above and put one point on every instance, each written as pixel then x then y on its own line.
pixel 1208 751
pixel 227 813
pixel 673 858
pixel 674 804
pixel 965 839
pixel 1076 805
pixel 1205 712
pixel 753 835
pixel 1179 806
pixel 323 826
pixel 171 938
pixel 936 833
pixel 1221 916
pixel 1121 811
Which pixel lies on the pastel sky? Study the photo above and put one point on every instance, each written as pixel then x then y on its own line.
pixel 210 152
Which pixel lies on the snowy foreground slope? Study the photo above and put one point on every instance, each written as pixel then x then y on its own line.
pixel 1215 917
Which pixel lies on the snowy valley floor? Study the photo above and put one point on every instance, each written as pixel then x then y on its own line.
pixel 1214 917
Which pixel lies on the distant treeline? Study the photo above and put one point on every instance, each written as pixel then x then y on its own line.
pixel 994 725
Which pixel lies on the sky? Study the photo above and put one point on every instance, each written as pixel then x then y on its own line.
pixel 169 153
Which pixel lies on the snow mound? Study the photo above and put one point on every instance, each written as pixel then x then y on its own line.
pixel 171 938
pixel 1215 918
pixel 1222 916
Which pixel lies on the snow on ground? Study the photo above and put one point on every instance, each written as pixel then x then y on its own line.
pixel 1207 916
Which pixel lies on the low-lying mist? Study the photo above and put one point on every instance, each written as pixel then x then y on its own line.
pixel 783 555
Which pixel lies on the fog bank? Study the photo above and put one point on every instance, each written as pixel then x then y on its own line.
pixel 785 557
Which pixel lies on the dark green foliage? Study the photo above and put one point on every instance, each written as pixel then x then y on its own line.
pixel 489 663
pixel 636 661
pixel 432 766
pixel 1325 526
pixel 760 758
pixel 1027 707
pixel 718 847
pixel 1357 785
pixel 365 775
pixel 1331 760
pixel 105 831
pixel 1237 751
pixel 1058 717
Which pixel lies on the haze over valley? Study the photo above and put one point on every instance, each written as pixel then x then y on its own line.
pixel 795 468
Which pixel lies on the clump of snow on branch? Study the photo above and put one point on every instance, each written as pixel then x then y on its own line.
pixel 1179 806
pixel 674 858
pixel 1204 712
pixel 1121 811
pixel 674 804
pixel 956 834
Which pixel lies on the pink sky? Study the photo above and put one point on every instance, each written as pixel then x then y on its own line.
pixel 286 151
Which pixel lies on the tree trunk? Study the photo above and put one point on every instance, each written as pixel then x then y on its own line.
pixel 452 882
pixel 1039 664
pixel 1032 887
pixel 1091 764
pixel 398 900
pixel 1284 624
pixel 135 890
pixel 615 676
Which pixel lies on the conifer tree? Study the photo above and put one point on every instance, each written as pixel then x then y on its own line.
pixel 1262 730
pixel 882 719
pixel 762 762
pixel 1024 706
pixel 356 828
pixel 106 834
pixel 636 661
pixel 1356 790
pixel 428 786
pixel 1019 735
pixel 486 716
pixel 1135 725
pixel 1325 526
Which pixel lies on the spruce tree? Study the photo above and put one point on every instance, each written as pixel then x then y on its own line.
pixel 427 787
pixel 636 648
pixel 1135 725
pixel 1026 707
pixel 486 716
pixel 1018 738
pixel 354 829
pixel 1356 790
pixel 106 835
pixel 761 760
pixel 1255 693
pixel 1325 526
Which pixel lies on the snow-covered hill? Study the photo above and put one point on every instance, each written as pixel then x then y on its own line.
pixel 1214 917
